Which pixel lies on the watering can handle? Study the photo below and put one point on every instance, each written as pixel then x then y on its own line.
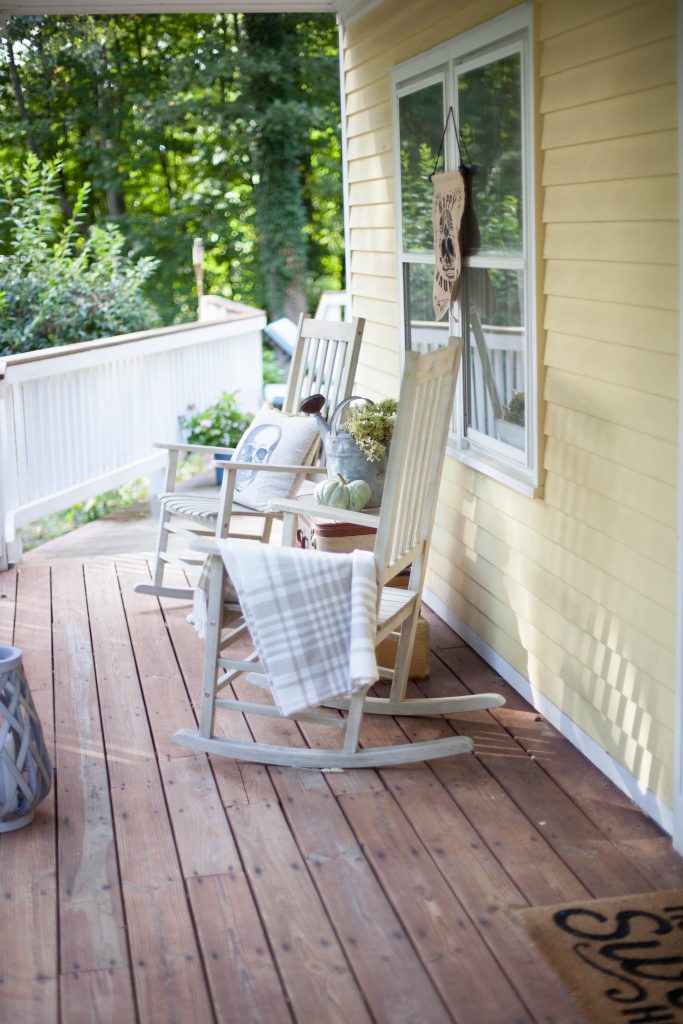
pixel 340 408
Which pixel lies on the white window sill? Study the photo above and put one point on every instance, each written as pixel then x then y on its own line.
pixel 517 478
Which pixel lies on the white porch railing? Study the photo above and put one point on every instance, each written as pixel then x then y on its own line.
pixel 80 419
pixel 505 352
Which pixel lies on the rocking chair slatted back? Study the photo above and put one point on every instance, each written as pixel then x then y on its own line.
pixel 321 362
pixel 415 462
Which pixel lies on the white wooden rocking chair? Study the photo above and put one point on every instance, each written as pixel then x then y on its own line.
pixel 324 361
pixel 404 526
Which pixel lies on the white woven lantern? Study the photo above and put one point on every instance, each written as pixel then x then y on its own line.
pixel 25 768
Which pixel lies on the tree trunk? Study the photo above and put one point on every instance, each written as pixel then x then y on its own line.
pixel 279 144
pixel 115 199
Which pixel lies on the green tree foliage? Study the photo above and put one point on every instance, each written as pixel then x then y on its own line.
pixel 179 122
pixel 57 286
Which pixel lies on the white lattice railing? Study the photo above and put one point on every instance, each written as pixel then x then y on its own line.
pixel 80 419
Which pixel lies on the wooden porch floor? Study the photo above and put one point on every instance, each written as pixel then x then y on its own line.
pixel 157 885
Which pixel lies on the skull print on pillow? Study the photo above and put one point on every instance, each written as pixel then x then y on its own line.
pixel 278 439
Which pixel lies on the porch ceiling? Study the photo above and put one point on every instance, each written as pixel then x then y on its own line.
pixel 344 9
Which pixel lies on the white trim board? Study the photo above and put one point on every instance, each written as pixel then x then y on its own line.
pixel 345 170
pixel 650 804
pixel 346 10
pixel 678 731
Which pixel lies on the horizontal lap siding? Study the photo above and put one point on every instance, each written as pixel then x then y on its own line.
pixel 575 589
pixel 609 170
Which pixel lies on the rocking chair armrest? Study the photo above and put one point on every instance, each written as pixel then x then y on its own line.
pixel 180 447
pixel 268 467
pixel 340 515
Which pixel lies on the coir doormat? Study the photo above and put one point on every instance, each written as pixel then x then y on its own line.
pixel 620 959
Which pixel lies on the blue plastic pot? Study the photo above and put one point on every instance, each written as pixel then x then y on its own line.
pixel 217 469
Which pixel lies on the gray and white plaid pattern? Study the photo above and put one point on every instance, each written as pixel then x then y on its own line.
pixel 312 618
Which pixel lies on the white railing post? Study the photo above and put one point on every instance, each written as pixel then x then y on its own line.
pixel 10 537
pixel 4 458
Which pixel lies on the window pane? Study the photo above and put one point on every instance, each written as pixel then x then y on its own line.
pixel 423 332
pixel 494 300
pixel 421 120
pixel 489 101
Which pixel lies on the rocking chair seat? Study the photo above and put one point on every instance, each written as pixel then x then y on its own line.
pixel 200 508
pixel 392 605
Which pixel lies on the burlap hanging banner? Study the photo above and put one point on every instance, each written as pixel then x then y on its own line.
pixel 448 205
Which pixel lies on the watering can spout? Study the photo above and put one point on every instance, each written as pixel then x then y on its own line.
pixel 313 406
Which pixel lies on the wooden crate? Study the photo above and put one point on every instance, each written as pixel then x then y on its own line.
pixel 419 662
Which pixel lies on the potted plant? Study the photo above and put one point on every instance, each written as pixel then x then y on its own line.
pixel 510 426
pixel 220 425
pixel 371 427
pixel 357 443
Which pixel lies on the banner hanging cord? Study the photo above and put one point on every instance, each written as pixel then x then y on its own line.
pixel 461 144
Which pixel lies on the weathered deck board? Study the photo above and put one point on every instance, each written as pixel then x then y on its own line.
pixel 316 974
pixel 91 925
pixel 484 887
pixel 158 884
pixel 446 939
pixel 396 985
pixel 238 782
pixel 28 870
pixel 537 870
pixel 609 809
pixel 168 972
pixel 8 589
pixel 165 695
pixel 244 982
pixel 486 891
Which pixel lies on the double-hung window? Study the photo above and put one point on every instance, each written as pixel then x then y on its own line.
pixel 485 76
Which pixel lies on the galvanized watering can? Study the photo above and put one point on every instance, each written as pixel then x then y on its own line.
pixel 342 454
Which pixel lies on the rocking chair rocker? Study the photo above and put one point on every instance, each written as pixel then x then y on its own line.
pixel 404 525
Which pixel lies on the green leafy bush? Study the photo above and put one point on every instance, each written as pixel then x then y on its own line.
pixel 59 285
pixel 59 523
pixel 220 425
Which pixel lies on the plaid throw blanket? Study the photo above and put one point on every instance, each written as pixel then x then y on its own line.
pixel 312 618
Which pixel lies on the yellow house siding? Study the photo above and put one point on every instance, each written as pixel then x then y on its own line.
pixel 603 36
pixel 649 67
pixel 650 243
pixel 647 328
pixel 574 590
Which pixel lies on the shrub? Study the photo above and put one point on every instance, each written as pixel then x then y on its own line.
pixel 220 425
pixel 58 284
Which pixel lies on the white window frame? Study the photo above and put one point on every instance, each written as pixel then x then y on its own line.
pixel 510 33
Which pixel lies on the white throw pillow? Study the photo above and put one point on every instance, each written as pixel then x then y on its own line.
pixel 279 439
